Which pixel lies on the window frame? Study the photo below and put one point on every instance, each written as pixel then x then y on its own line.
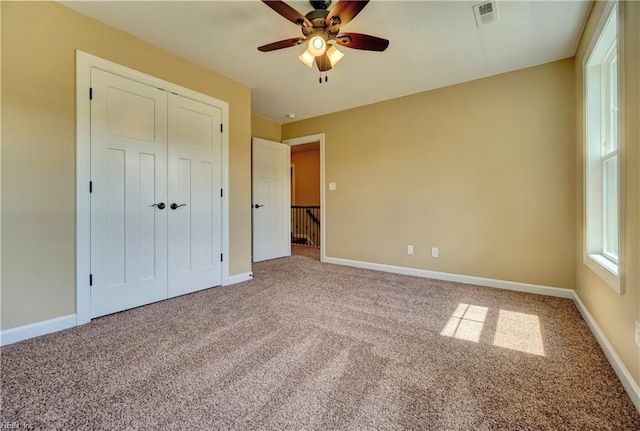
pixel 609 136
pixel 597 146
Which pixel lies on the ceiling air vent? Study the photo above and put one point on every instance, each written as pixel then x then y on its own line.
pixel 485 13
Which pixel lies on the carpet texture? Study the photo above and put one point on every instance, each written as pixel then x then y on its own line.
pixel 307 345
pixel 305 250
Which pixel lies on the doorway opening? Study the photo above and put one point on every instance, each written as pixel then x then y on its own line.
pixel 307 196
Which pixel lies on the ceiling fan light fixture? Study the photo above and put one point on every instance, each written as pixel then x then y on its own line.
pixel 322 29
pixel 317 45
pixel 334 55
pixel 307 58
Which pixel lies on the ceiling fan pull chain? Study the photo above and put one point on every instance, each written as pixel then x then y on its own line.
pixel 326 77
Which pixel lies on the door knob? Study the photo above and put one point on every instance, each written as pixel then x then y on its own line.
pixel 175 206
pixel 160 205
pixel 258 206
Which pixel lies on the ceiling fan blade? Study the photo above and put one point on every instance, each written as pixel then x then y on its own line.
pixel 281 44
pixel 288 12
pixel 362 41
pixel 323 62
pixel 343 12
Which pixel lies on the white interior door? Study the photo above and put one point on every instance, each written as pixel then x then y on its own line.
pixel 129 191
pixel 194 210
pixel 271 200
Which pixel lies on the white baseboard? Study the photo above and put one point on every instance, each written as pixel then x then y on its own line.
pixel 622 372
pixel 32 330
pixel 305 236
pixel 479 281
pixel 239 278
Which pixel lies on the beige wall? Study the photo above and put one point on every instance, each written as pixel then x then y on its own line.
pixel 307 180
pixel 265 129
pixel 615 314
pixel 38 149
pixel 483 170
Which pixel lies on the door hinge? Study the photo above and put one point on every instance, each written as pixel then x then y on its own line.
pixel 220 128
pixel 90 279
pixel 221 257
pixel 90 93
pixel 221 193
pixel 90 186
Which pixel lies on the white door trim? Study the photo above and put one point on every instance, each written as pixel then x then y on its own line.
pixel 84 63
pixel 307 140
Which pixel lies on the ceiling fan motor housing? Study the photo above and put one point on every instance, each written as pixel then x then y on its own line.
pixel 320 4
pixel 317 18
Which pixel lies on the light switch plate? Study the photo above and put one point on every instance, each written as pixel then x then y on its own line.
pixel 332 186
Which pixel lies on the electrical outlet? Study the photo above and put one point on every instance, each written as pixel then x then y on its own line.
pixel 410 249
pixel 638 334
pixel 434 251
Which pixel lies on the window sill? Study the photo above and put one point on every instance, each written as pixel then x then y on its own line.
pixel 605 269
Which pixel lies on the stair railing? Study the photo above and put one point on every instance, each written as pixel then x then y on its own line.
pixel 305 225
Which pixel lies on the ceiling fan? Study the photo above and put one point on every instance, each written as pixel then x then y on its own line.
pixel 321 28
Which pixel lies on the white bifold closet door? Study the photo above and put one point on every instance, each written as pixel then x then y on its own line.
pixel 155 201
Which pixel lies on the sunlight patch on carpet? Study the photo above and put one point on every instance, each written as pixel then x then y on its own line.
pixel 466 322
pixel 519 331
pixel 513 330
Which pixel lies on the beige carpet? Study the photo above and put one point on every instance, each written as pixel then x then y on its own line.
pixel 304 250
pixel 307 345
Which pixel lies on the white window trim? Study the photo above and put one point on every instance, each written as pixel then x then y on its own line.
pixel 607 270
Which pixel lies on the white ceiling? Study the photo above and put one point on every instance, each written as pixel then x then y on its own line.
pixel 432 44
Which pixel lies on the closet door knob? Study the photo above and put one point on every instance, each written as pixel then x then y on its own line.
pixel 160 205
pixel 175 206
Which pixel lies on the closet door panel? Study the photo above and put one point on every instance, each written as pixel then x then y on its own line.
pixel 129 180
pixel 195 222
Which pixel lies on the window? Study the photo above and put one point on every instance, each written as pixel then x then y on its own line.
pixel 609 155
pixel 602 173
